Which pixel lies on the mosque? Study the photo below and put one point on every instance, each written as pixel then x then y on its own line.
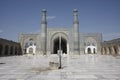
pixel 51 40
pixel 69 39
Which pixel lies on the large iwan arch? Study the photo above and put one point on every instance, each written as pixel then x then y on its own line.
pixel 55 43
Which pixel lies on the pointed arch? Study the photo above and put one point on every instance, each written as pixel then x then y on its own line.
pixel 55 42
pixel 30 46
pixel 90 45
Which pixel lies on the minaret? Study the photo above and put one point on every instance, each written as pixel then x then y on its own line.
pixel 44 32
pixel 76 32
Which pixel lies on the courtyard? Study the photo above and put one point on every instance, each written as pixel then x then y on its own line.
pixel 83 67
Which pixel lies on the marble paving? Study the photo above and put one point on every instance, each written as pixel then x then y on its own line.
pixel 83 67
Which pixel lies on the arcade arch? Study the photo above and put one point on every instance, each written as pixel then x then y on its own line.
pixel 114 49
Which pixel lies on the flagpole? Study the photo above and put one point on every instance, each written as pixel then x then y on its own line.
pixel 60 50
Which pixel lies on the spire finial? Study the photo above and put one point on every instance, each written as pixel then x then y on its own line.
pixel 75 10
pixel 44 10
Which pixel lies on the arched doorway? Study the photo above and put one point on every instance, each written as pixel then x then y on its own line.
pixel 89 51
pixel 94 51
pixel 56 45
pixel 31 50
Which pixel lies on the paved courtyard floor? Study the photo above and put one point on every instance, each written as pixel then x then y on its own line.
pixel 83 67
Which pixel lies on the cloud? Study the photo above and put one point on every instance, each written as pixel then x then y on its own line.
pixel 1 31
pixel 35 32
pixel 111 34
pixel 38 31
pixel 51 17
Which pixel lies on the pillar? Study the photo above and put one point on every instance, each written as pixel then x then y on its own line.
pixel 103 50
pixel 67 48
pixel 118 49
pixel 8 50
pixel 107 50
pixel 112 50
pixel 13 50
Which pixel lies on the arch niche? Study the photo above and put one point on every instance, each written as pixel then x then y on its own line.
pixel 90 45
pixel 90 49
pixel 30 46
pixel 55 43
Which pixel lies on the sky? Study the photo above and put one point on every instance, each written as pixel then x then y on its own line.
pixel 24 16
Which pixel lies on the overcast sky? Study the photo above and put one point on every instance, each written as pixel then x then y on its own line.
pixel 24 16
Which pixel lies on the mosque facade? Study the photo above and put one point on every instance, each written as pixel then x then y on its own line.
pixel 69 40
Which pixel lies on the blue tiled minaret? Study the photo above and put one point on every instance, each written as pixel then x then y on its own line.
pixel 44 31
pixel 76 32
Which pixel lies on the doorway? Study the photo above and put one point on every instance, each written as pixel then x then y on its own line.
pixel 56 45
